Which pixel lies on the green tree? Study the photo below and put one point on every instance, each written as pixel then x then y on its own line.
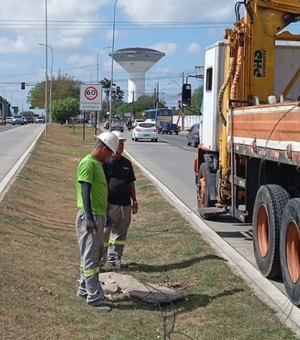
pixel 63 87
pixel 196 101
pixel 106 87
pixel 63 109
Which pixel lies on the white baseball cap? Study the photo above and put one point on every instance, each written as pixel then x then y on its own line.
pixel 110 140
pixel 120 135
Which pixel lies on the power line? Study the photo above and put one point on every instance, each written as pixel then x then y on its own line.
pixel 56 25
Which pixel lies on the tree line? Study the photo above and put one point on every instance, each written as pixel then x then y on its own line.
pixel 65 99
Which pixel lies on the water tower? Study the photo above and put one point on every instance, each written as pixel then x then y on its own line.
pixel 136 61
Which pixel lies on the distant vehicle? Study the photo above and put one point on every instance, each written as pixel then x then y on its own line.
pixel 117 125
pixel 145 130
pixel 30 119
pixel 129 124
pixel 106 124
pixel 17 119
pixel 24 120
pixel 3 120
pixel 134 124
pixel 39 119
pixel 163 119
pixel 193 135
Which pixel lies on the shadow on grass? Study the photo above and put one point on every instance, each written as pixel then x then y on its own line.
pixel 189 303
pixel 140 267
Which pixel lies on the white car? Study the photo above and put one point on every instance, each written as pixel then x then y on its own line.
pixel 145 130
pixel 134 124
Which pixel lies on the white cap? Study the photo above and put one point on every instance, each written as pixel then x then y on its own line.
pixel 110 140
pixel 120 135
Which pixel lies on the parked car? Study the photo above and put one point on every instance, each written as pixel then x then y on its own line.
pixel 8 120
pixel 117 125
pixel 41 119
pixel 193 135
pixel 145 130
pixel 17 119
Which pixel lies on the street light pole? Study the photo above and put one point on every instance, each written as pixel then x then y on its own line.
pixel 51 75
pixel 112 64
pixel 98 81
pixel 99 50
pixel 46 62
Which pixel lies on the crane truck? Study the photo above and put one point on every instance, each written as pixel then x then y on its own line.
pixel 248 159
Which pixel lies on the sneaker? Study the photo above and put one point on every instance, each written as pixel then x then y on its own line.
pixel 102 308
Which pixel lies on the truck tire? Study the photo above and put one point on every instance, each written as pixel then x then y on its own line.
pixel 203 197
pixel 290 249
pixel 268 209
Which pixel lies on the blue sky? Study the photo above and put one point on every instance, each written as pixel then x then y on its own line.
pixel 79 31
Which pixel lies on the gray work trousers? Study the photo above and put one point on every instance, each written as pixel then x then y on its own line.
pixel 91 248
pixel 115 236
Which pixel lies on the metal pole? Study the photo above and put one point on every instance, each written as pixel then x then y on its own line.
pixel 46 53
pixel 98 81
pixel 51 75
pixel 112 64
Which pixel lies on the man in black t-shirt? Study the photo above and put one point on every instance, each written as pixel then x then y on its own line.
pixel 122 202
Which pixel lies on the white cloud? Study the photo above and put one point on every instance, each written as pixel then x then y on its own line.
pixel 168 48
pixel 194 48
pixel 178 10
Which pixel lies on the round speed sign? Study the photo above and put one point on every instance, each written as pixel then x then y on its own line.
pixel 91 93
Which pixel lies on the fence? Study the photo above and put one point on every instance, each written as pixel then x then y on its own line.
pixel 187 121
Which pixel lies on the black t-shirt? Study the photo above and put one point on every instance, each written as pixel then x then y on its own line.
pixel 119 173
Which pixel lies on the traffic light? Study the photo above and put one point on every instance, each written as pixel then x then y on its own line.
pixel 118 89
pixel 23 85
pixel 186 94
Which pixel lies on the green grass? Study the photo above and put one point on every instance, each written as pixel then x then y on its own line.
pixel 40 264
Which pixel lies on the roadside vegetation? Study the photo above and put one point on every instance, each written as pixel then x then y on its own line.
pixel 65 91
pixel 40 264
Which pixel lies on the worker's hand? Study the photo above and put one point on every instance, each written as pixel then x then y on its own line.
pixel 134 207
pixel 91 226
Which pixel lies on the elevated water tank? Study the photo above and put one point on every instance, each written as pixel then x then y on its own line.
pixel 136 61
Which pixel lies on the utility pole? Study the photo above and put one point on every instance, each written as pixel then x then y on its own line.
pixel 133 103
pixel 182 107
pixel 157 95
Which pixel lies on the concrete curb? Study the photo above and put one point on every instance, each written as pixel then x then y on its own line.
pixel 287 313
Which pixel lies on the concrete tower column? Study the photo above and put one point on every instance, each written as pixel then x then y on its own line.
pixel 136 85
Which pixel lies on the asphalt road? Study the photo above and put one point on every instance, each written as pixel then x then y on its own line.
pixel 16 143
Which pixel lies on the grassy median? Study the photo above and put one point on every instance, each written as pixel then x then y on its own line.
pixel 40 264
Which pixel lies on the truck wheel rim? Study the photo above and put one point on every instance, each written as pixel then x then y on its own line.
pixel 202 188
pixel 262 230
pixel 292 251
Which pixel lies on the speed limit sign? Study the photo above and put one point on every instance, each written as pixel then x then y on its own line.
pixel 91 93
pixel 90 97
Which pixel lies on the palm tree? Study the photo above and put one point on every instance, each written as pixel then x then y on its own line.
pixel 106 88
